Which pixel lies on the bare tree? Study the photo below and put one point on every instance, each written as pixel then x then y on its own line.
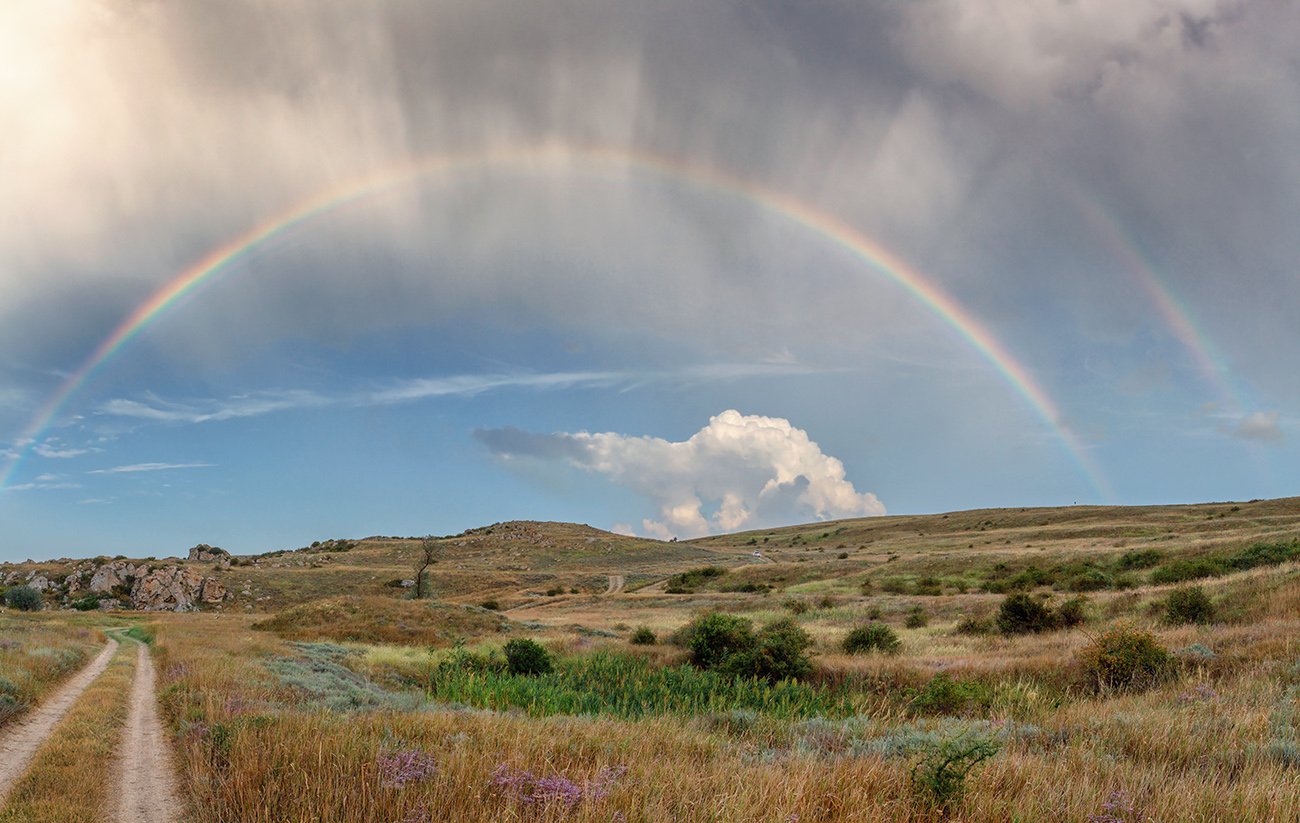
pixel 428 556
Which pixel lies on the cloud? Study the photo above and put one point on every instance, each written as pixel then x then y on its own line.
pixel 53 451
pixel 151 467
pixel 39 485
pixel 424 388
pixel 740 471
pixel 1261 427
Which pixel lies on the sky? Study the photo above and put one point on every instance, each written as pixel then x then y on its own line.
pixel 275 272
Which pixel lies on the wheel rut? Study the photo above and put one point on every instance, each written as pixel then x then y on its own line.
pixel 147 789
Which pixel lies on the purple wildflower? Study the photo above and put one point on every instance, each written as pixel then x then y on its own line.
pixel 400 768
pixel 1118 808
pixel 558 790
pixel 1202 693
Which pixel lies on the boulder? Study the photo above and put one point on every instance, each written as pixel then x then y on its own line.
pixel 111 575
pixel 39 582
pixel 213 591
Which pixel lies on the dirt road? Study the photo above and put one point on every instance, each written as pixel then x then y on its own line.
pixel 616 584
pixel 18 743
pixel 147 791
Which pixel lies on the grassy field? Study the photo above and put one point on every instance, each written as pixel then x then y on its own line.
pixel 340 699
pixel 36 654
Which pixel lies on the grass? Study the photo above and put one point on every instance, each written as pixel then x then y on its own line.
pixel 69 779
pixel 274 730
pixel 623 686
pixel 376 619
pixel 36 654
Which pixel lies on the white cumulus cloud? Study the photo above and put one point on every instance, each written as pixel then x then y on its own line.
pixel 740 471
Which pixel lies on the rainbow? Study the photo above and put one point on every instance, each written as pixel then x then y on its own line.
pixel 563 157
pixel 1210 361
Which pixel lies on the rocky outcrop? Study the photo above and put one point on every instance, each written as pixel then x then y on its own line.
pixel 175 589
pixel 203 553
pixel 112 575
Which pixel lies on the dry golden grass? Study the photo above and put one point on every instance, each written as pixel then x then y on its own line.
pixel 1200 748
pixel 37 652
pixel 383 620
pixel 69 779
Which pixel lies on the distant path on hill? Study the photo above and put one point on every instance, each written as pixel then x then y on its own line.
pixel 616 584
pixel 18 743
pixel 147 790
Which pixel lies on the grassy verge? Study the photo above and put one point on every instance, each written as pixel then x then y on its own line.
pixel 68 781
pixel 36 654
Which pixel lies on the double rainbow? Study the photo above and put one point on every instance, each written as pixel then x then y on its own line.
pixel 559 158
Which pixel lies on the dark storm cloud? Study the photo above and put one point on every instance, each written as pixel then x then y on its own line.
pixel 146 133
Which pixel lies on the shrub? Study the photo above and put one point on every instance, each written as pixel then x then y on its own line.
pixel 728 644
pixel 916 618
pixel 780 653
pixel 527 657
pixel 1090 581
pixel 1182 570
pixel 894 585
pixel 1072 612
pixel 872 637
pixel 687 581
pixel 23 598
pixel 555 591
pixel 973 625
pixel 1188 604
pixel 748 587
pixel 1144 559
pixel 713 637
pixel 1023 614
pixel 1125 658
pixel 944 695
pixel 796 606
pixel 826 602
pixel 940 772
pixel 491 605
pixel 928 587
pixel 88 603
pixel 643 636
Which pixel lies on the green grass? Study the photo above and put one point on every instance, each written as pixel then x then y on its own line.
pixel 628 687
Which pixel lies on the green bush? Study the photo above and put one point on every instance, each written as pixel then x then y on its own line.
pixel 728 644
pixel 491 605
pixel 527 657
pixel 1072 612
pixel 873 637
pixel 973 625
pixel 643 636
pixel 1022 614
pixel 940 772
pixel 780 653
pixel 747 587
pixel 1189 604
pixel 916 618
pixel 1143 559
pixel 1125 658
pixel 88 603
pixel 1182 570
pixel 713 637
pixel 796 606
pixel 23 598
pixel 687 581
pixel 1091 580
pixel 946 696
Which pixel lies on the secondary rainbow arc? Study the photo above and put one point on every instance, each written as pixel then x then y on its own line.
pixel 553 156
